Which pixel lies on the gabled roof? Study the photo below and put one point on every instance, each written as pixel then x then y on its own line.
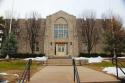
pixel 62 12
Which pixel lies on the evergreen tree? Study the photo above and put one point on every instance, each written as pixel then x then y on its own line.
pixel 9 45
pixel 114 37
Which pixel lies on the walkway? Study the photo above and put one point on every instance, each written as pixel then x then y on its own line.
pixel 64 74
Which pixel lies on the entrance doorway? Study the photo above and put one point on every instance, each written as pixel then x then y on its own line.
pixel 61 49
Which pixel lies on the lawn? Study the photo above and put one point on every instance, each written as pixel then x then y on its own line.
pixel 103 64
pixel 17 67
pixel 15 64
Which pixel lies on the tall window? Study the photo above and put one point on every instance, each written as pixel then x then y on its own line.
pixel 36 46
pixel 60 31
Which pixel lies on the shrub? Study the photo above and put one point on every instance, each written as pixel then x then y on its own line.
pixel 24 55
pixel 98 54
pixel 2 56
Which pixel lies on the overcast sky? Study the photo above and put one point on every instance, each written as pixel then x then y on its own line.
pixel 75 7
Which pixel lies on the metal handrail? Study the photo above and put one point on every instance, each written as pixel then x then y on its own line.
pixel 26 74
pixel 75 71
pixel 121 68
pixel 119 65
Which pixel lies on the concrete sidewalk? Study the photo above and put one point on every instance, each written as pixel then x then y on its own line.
pixel 64 74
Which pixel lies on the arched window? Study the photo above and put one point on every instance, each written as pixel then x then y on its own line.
pixel 60 29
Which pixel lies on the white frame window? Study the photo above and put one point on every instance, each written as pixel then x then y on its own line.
pixel 60 31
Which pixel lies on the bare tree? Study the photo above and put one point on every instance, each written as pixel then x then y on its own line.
pixel 89 32
pixel 8 16
pixel 14 25
pixel 33 27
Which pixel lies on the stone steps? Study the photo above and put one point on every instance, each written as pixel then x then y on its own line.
pixel 59 57
pixel 60 62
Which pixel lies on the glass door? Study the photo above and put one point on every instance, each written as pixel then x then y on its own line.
pixel 61 49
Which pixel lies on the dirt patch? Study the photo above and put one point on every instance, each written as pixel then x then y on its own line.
pixel 14 75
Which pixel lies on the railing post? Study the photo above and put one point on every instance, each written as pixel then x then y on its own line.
pixel 26 74
pixel 74 69
pixel 116 60
pixel 29 67
pixel 116 63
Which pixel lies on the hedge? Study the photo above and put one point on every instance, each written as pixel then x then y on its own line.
pixel 98 54
pixel 23 55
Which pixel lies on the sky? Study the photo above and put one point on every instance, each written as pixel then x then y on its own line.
pixel 22 8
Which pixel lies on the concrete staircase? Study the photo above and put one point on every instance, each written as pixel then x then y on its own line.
pixel 60 61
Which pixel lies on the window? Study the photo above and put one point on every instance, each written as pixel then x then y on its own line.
pixel 60 31
pixel 0 38
pixel 1 31
pixel 37 46
pixel 0 44
pixel 61 48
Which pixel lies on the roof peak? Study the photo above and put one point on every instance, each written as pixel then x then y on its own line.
pixel 62 11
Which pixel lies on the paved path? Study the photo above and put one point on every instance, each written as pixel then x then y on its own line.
pixel 64 74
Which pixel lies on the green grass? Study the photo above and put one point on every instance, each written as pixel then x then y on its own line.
pixel 100 66
pixel 15 65
pixel 104 64
pixel 107 64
